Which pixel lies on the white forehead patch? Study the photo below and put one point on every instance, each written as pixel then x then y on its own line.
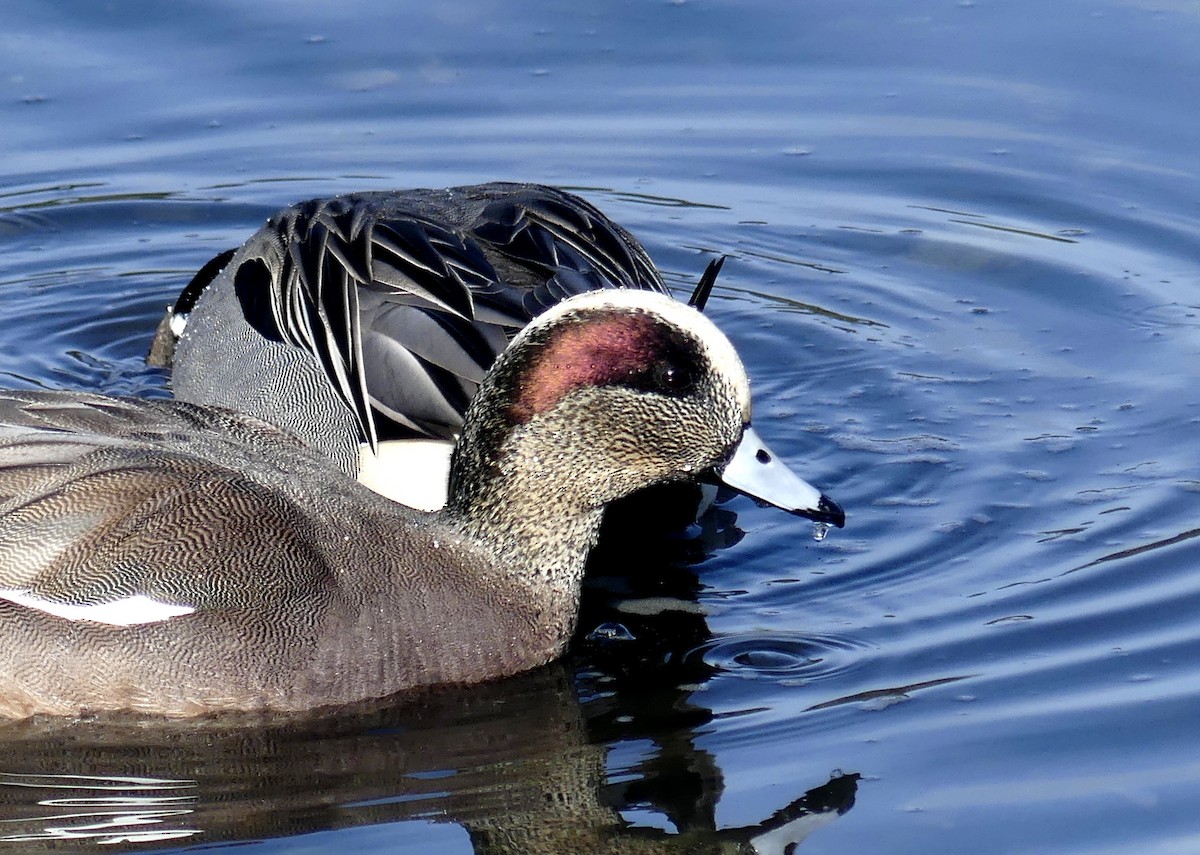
pixel 719 350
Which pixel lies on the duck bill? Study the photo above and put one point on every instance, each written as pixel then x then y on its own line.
pixel 755 471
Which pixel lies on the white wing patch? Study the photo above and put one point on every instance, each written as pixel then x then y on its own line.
pixel 413 472
pixel 129 611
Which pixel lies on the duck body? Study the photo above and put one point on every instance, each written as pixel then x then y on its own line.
pixel 180 559
pixel 371 318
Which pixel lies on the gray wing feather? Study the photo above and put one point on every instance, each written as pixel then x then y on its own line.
pixel 110 498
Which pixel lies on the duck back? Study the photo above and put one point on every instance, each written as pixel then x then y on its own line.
pixel 374 316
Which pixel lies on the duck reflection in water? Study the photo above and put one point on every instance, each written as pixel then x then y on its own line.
pixel 514 763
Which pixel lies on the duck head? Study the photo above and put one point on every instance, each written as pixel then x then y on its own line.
pixel 608 393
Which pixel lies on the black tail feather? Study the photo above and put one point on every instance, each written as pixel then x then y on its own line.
pixel 705 285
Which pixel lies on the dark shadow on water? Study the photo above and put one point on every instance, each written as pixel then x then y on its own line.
pixel 1138 550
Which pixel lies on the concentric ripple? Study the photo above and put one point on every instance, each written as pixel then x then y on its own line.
pixel 786 658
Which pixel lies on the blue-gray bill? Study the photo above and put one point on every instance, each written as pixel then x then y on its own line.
pixel 755 471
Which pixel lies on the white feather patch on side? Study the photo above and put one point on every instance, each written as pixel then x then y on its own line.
pixel 413 472
pixel 129 611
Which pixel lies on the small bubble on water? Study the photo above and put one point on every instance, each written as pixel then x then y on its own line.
pixel 611 632
pixel 820 529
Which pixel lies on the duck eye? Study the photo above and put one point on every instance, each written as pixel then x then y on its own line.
pixel 670 378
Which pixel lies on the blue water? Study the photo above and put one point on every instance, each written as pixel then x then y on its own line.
pixel 965 278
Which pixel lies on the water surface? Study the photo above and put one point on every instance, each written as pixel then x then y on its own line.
pixel 965 278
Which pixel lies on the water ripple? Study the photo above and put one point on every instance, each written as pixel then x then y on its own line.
pixel 103 810
pixel 789 659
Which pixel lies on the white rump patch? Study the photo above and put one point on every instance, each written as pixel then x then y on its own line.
pixel 129 611
pixel 413 472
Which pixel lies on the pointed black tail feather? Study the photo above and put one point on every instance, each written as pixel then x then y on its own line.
pixel 705 285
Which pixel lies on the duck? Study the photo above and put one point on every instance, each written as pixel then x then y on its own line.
pixel 176 559
pixel 364 323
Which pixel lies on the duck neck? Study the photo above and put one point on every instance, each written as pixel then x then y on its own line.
pixel 526 512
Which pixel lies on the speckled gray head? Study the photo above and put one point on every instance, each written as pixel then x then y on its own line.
pixel 649 343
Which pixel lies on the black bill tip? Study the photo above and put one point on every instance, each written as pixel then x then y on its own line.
pixel 828 511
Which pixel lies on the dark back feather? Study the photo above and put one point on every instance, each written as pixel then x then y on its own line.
pixel 401 300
